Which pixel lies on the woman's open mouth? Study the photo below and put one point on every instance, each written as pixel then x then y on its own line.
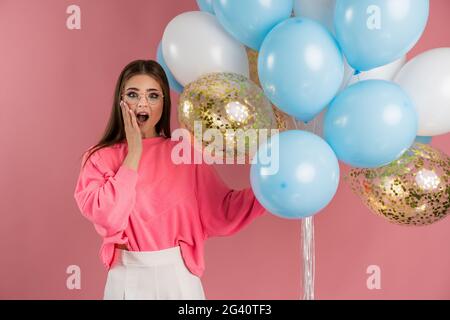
pixel 142 117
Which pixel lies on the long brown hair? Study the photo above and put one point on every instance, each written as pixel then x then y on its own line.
pixel 115 130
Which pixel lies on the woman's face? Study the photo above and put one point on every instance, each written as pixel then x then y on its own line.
pixel 144 96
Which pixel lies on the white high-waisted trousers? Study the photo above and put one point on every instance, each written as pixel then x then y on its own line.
pixel 151 275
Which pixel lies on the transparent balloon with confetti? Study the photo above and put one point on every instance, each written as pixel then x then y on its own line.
pixel 413 190
pixel 231 104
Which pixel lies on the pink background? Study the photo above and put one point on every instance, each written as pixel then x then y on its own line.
pixel 57 86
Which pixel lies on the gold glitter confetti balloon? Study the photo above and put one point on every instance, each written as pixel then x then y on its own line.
pixel 413 190
pixel 284 121
pixel 226 102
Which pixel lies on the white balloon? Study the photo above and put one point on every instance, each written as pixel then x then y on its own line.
pixel 194 44
pixel 426 79
pixel 386 72
pixel 319 10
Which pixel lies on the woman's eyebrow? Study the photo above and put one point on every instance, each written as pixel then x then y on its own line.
pixel 136 89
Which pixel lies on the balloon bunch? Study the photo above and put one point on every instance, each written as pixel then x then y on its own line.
pixel 340 64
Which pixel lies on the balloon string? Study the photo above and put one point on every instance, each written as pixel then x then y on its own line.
pixel 307 245
pixel 308 258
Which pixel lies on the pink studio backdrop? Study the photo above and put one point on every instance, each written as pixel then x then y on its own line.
pixel 57 86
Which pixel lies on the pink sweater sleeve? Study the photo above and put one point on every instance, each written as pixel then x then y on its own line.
pixel 223 211
pixel 106 197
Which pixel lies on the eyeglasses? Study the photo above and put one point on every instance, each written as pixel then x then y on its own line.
pixel 133 97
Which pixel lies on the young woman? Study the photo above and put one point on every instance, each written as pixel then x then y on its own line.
pixel 154 215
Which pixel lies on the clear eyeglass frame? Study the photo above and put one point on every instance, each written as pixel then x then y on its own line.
pixel 135 101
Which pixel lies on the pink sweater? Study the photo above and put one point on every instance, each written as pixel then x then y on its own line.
pixel 161 205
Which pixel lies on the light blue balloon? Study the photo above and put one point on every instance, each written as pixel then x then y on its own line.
pixel 249 21
pixel 423 139
pixel 371 123
pixel 174 84
pixel 206 5
pixel 373 33
pixel 300 67
pixel 302 177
